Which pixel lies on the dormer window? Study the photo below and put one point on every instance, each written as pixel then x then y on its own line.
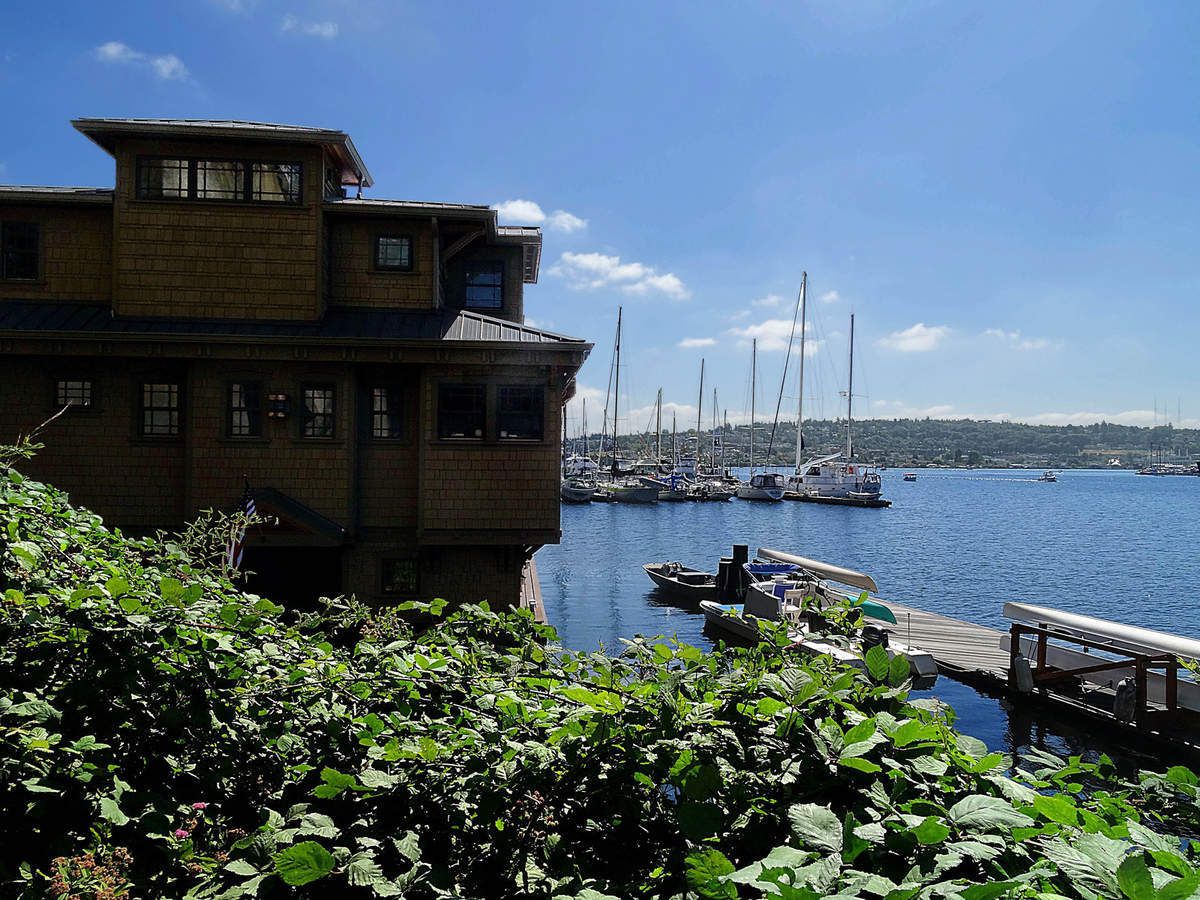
pixel 484 285
pixel 170 178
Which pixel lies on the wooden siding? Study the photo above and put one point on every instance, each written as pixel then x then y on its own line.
pixel 76 252
pixel 208 259
pixel 353 278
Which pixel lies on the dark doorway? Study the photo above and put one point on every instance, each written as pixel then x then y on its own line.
pixel 294 577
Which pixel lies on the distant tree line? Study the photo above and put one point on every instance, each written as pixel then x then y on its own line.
pixel 942 441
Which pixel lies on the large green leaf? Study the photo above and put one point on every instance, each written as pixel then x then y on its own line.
pixel 303 863
pixel 1133 877
pixel 816 826
pixel 987 813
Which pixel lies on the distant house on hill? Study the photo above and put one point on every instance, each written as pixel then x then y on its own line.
pixel 233 312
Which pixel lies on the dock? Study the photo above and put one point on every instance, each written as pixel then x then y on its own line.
pixel 531 591
pixel 865 502
pixel 980 657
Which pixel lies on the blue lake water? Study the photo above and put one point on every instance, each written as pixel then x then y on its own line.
pixel 960 542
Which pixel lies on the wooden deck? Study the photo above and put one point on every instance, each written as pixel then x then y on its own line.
pixel 531 591
pixel 962 650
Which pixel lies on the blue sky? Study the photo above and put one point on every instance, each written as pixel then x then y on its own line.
pixel 1005 194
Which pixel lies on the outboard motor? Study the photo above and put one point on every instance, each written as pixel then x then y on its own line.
pixel 874 636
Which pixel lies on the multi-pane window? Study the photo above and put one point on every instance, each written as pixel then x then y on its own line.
pixel 169 178
pixel 520 411
pixel 19 250
pixel 163 179
pixel 462 410
pixel 275 182
pixel 387 408
pixel 394 253
pixel 245 409
pixel 484 285
pixel 160 409
pixel 318 411
pixel 75 393
pixel 220 179
pixel 398 576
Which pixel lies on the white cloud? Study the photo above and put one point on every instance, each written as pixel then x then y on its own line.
pixel 689 343
pixel 772 335
pixel 592 271
pixel 769 300
pixel 167 66
pixel 527 212
pixel 326 30
pixel 829 297
pixel 920 338
pixel 568 223
pixel 1017 341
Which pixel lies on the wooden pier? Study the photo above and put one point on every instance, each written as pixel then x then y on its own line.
pixel 531 591
pixel 981 657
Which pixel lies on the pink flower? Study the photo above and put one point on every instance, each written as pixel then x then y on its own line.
pixel 181 833
pixel 199 806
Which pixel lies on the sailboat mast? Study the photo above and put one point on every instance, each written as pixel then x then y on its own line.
pixel 724 434
pixel 753 387
pixel 674 444
pixel 800 400
pixel 713 448
pixel 617 393
pixel 699 410
pixel 850 398
pixel 585 431
pixel 658 428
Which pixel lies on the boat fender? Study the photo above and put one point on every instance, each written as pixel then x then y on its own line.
pixel 1022 675
pixel 1124 702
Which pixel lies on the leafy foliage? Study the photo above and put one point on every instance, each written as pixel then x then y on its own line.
pixel 187 738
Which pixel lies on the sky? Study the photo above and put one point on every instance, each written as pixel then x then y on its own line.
pixel 1005 195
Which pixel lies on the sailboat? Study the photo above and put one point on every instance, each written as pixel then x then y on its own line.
pixel 616 488
pixel 763 485
pixel 578 483
pixel 836 478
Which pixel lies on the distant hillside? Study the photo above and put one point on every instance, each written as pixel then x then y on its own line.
pixel 950 441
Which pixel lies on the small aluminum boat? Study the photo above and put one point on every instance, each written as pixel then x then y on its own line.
pixel 682 583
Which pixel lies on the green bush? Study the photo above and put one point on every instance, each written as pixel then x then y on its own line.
pixel 163 733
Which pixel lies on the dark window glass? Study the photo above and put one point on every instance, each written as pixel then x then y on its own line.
pixel 275 182
pixel 19 247
pixel 520 411
pixel 220 180
pixel 394 253
pixel 160 179
pixel 77 394
pixel 160 409
pixel 485 285
pixel 398 576
pixel 245 409
pixel 462 410
pixel 318 411
pixel 387 408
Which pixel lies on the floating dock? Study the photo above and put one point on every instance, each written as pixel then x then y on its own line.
pixel 984 658
pixel 866 502
pixel 531 591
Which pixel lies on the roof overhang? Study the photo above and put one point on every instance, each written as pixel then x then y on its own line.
pixel 22 193
pixel 106 132
pixel 530 240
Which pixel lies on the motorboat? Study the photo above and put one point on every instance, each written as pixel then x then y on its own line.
pixel 794 590
pixel 1047 476
pixel 630 492
pixel 910 476
pixel 682 583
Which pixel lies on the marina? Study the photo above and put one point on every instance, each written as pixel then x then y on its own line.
pixel 946 565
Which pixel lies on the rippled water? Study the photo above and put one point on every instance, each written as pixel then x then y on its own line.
pixel 962 543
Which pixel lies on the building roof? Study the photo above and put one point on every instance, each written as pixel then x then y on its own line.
pixel 60 318
pixel 105 132
pixel 44 193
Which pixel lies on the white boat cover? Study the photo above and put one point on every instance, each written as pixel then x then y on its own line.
pixel 823 570
pixel 1121 637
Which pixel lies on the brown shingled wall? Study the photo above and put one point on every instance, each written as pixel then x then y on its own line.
pixel 354 280
pixel 76 252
